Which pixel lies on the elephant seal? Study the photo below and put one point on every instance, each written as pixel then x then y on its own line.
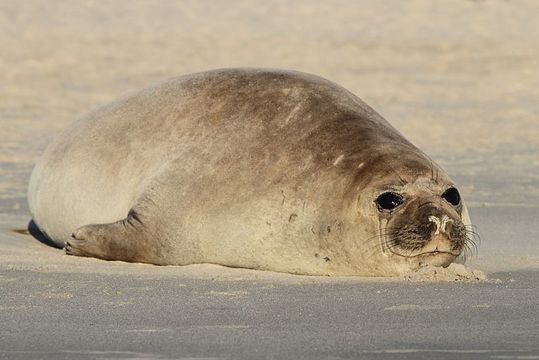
pixel 253 168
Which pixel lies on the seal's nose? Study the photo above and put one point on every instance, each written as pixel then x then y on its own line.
pixel 442 224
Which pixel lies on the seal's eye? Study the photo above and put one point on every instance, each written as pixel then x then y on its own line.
pixel 452 196
pixel 389 200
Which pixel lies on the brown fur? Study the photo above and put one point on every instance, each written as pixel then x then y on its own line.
pixel 252 168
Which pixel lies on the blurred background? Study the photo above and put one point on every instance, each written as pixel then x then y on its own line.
pixel 457 77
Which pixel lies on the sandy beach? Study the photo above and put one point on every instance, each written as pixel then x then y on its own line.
pixel 458 78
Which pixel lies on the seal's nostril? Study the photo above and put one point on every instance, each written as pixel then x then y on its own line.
pixel 442 225
pixel 437 222
pixel 448 226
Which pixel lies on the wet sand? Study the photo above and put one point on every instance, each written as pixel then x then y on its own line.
pixel 458 78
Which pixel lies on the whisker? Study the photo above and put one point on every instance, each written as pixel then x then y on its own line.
pixel 376 237
pixel 389 243
pixel 474 233
pixel 471 246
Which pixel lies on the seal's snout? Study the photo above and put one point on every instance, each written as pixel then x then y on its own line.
pixel 445 234
pixel 434 235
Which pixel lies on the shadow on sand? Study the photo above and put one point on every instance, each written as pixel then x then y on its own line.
pixel 33 230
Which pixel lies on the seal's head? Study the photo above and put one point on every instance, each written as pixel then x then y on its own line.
pixel 423 224
pixel 418 215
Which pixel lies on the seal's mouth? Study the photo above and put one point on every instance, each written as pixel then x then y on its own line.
pixel 416 254
pixel 435 258
pixel 426 254
pixel 434 253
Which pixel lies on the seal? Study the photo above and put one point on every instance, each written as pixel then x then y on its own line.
pixel 253 168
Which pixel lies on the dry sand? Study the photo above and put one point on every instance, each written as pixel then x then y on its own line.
pixel 459 78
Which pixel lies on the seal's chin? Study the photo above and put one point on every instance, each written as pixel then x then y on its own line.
pixel 436 258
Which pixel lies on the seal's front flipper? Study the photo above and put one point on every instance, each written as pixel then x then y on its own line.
pixel 124 240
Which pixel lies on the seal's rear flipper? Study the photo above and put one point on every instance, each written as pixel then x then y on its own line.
pixel 124 240
pixel 34 230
